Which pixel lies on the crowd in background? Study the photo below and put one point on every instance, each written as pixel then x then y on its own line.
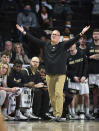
pixel 39 17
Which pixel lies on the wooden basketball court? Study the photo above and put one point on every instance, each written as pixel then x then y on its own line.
pixel 53 126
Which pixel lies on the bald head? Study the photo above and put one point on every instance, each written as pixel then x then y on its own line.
pixel 35 59
pixel 34 62
pixel 55 37
pixel 8 45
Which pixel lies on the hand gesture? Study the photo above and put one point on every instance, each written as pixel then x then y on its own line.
pixel 95 57
pixel 39 85
pixel 76 79
pixel 14 89
pixel 30 84
pixel 20 28
pixel 83 78
pixel 85 29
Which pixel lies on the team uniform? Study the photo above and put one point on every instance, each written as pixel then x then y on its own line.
pixel 17 79
pixel 77 66
pixel 93 70
pixel 93 66
pixel 40 97
pixel 2 92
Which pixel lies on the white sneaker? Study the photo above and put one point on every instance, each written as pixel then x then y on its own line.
pixel 81 116
pixel 20 117
pixel 74 117
pixel 30 116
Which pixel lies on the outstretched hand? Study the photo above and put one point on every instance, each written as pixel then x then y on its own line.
pixel 85 29
pixel 20 28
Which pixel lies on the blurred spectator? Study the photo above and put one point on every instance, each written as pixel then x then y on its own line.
pixel 95 10
pixel 20 54
pixel 5 57
pixel 9 48
pixel 61 12
pixel 67 32
pixel 68 24
pixel 65 38
pixel 10 5
pixel 27 19
pixel 45 18
pixel 37 5
pixel 45 3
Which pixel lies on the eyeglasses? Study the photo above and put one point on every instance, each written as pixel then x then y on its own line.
pixel 55 34
pixel 35 61
pixel 18 66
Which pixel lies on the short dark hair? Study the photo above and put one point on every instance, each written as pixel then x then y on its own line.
pixel 83 36
pixel 5 53
pixel 18 62
pixel 96 30
pixel 26 3
pixel 41 67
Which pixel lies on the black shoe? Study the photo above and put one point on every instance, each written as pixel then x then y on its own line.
pixel 46 117
pixel 68 116
pixel 89 117
pixel 96 115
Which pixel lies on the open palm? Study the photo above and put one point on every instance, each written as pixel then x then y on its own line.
pixel 20 28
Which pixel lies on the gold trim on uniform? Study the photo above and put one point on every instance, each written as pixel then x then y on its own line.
pixel 19 80
pixel 94 51
pixel 75 61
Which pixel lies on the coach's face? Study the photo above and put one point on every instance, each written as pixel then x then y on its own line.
pixel 55 36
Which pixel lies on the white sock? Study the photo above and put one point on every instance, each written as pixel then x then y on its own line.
pixel 31 110
pixel 87 110
pixel 73 110
pixel 27 111
pixel 17 112
pixel 4 111
pixel 82 107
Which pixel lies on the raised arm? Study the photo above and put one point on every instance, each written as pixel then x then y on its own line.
pixel 69 43
pixel 34 39
pixel 21 29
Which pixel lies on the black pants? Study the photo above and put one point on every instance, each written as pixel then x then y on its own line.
pixel 40 102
